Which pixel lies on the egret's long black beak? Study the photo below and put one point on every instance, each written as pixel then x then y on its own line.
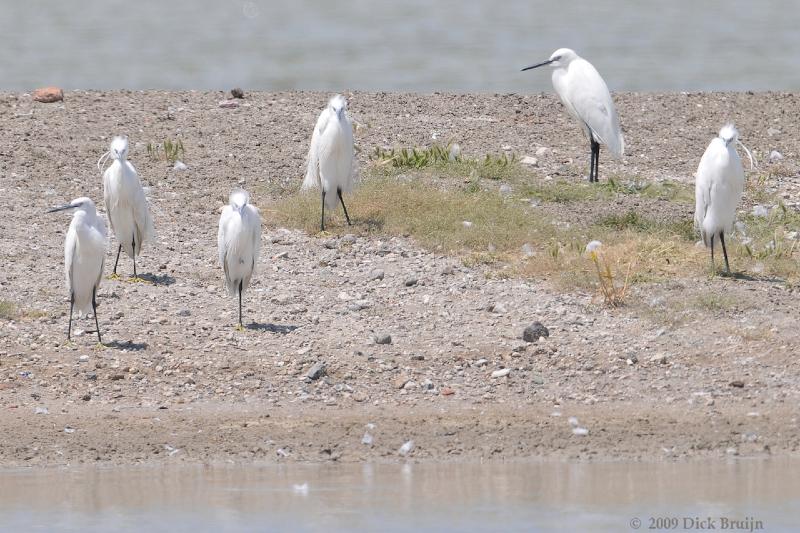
pixel 537 65
pixel 60 208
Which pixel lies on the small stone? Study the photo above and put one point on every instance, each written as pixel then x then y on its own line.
pixel 330 244
pixel 376 275
pixel 499 309
pixel 237 92
pixel 86 397
pixel 481 362
pixel 455 152
pixel 449 270
pixel 406 448
pixel 41 411
pixel 533 332
pixel 360 396
pixel 659 358
pixel 505 189
pixel 760 211
pixel 580 432
pixel 773 131
pixel 117 377
pixel 447 391
pixel 84 358
pixel 519 346
pixel 530 161
pixel 410 385
pixel 503 372
pixel 410 281
pixel 527 250
pixel 466 223
pixel 48 95
pixel 316 371
pixel 367 439
pixel 228 104
pixel 383 338
pixel 737 383
pixel 427 384
pixel 180 165
pixel 775 156
pixel 400 382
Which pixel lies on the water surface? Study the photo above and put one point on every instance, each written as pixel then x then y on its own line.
pixel 421 497
pixel 417 45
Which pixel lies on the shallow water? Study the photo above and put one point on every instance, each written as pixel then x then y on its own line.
pixel 419 497
pixel 416 45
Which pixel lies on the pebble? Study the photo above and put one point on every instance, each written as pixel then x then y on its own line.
pixel 447 391
pixel 775 156
pixel 400 382
pixel 84 358
pixel 534 332
pixel 41 411
pixel 505 189
pixel 376 275
pixel 228 104
pixel 383 338
pixel 406 448
pixel 760 211
pixel 180 165
pixel 530 161
pixel 427 384
pixel 773 131
pixel 503 372
pixel 466 223
pixel 410 281
pixel 367 439
pixel 580 432
pixel 316 371
pixel 737 383
pixel 48 95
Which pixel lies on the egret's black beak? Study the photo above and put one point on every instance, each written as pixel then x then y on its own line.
pixel 60 208
pixel 537 65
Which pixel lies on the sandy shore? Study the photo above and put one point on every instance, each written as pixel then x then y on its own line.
pixel 175 382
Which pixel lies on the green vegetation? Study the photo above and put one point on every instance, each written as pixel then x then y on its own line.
pixel 8 310
pixel 170 151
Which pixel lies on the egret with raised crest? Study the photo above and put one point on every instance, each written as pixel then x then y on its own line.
pixel 719 185
pixel 125 201
pixel 330 156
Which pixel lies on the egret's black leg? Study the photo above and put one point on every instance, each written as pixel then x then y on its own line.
pixel 117 261
pixel 322 220
pixel 596 162
pixel 94 310
pixel 133 247
pixel 339 192
pixel 712 254
pixel 71 305
pixel 591 161
pixel 724 251
pixel 240 303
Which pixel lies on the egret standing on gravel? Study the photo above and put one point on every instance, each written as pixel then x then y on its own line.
pixel 330 157
pixel 586 97
pixel 718 189
pixel 125 202
pixel 238 242
pixel 84 255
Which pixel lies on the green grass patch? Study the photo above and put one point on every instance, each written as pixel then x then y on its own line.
pixel 8 310
pixel 169 150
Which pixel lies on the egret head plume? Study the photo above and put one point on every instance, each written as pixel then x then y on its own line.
pixel 119 148
pixel 238 199
pixel 338 105
pixel 729 133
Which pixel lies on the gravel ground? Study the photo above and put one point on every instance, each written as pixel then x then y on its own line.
pixel 659 378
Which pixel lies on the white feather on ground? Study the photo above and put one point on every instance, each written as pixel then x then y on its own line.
pixel 125 200
pixel 719 186
pixel 330 156
pixel 239 241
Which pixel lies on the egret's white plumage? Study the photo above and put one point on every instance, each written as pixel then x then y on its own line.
pixel 585 95
pixel 718 189
pixel 330 156
pixel 238 243
pixel 84 256
pixel 125 201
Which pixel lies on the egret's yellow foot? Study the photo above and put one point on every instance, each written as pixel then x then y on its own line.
pixel 239 327
pixel 113 276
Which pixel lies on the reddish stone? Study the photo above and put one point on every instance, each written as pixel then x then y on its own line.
pixel 447 391
pixel 48 95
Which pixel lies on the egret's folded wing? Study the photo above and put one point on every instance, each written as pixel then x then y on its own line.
pixel 312 178
pixel 591 100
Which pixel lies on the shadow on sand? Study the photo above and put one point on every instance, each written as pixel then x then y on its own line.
pixel 271 328
pixel 127 345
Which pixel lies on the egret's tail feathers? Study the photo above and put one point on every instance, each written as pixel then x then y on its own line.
pixel 311 179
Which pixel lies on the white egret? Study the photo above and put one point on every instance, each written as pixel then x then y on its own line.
pixel 330 157
pixel 125 202
pixel 238 242
pixel 585 95
pixel 718 189
pixel 84 256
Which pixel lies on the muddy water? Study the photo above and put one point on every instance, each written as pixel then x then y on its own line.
pixel 421 497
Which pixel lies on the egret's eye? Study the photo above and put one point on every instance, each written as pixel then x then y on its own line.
pixel 557 58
